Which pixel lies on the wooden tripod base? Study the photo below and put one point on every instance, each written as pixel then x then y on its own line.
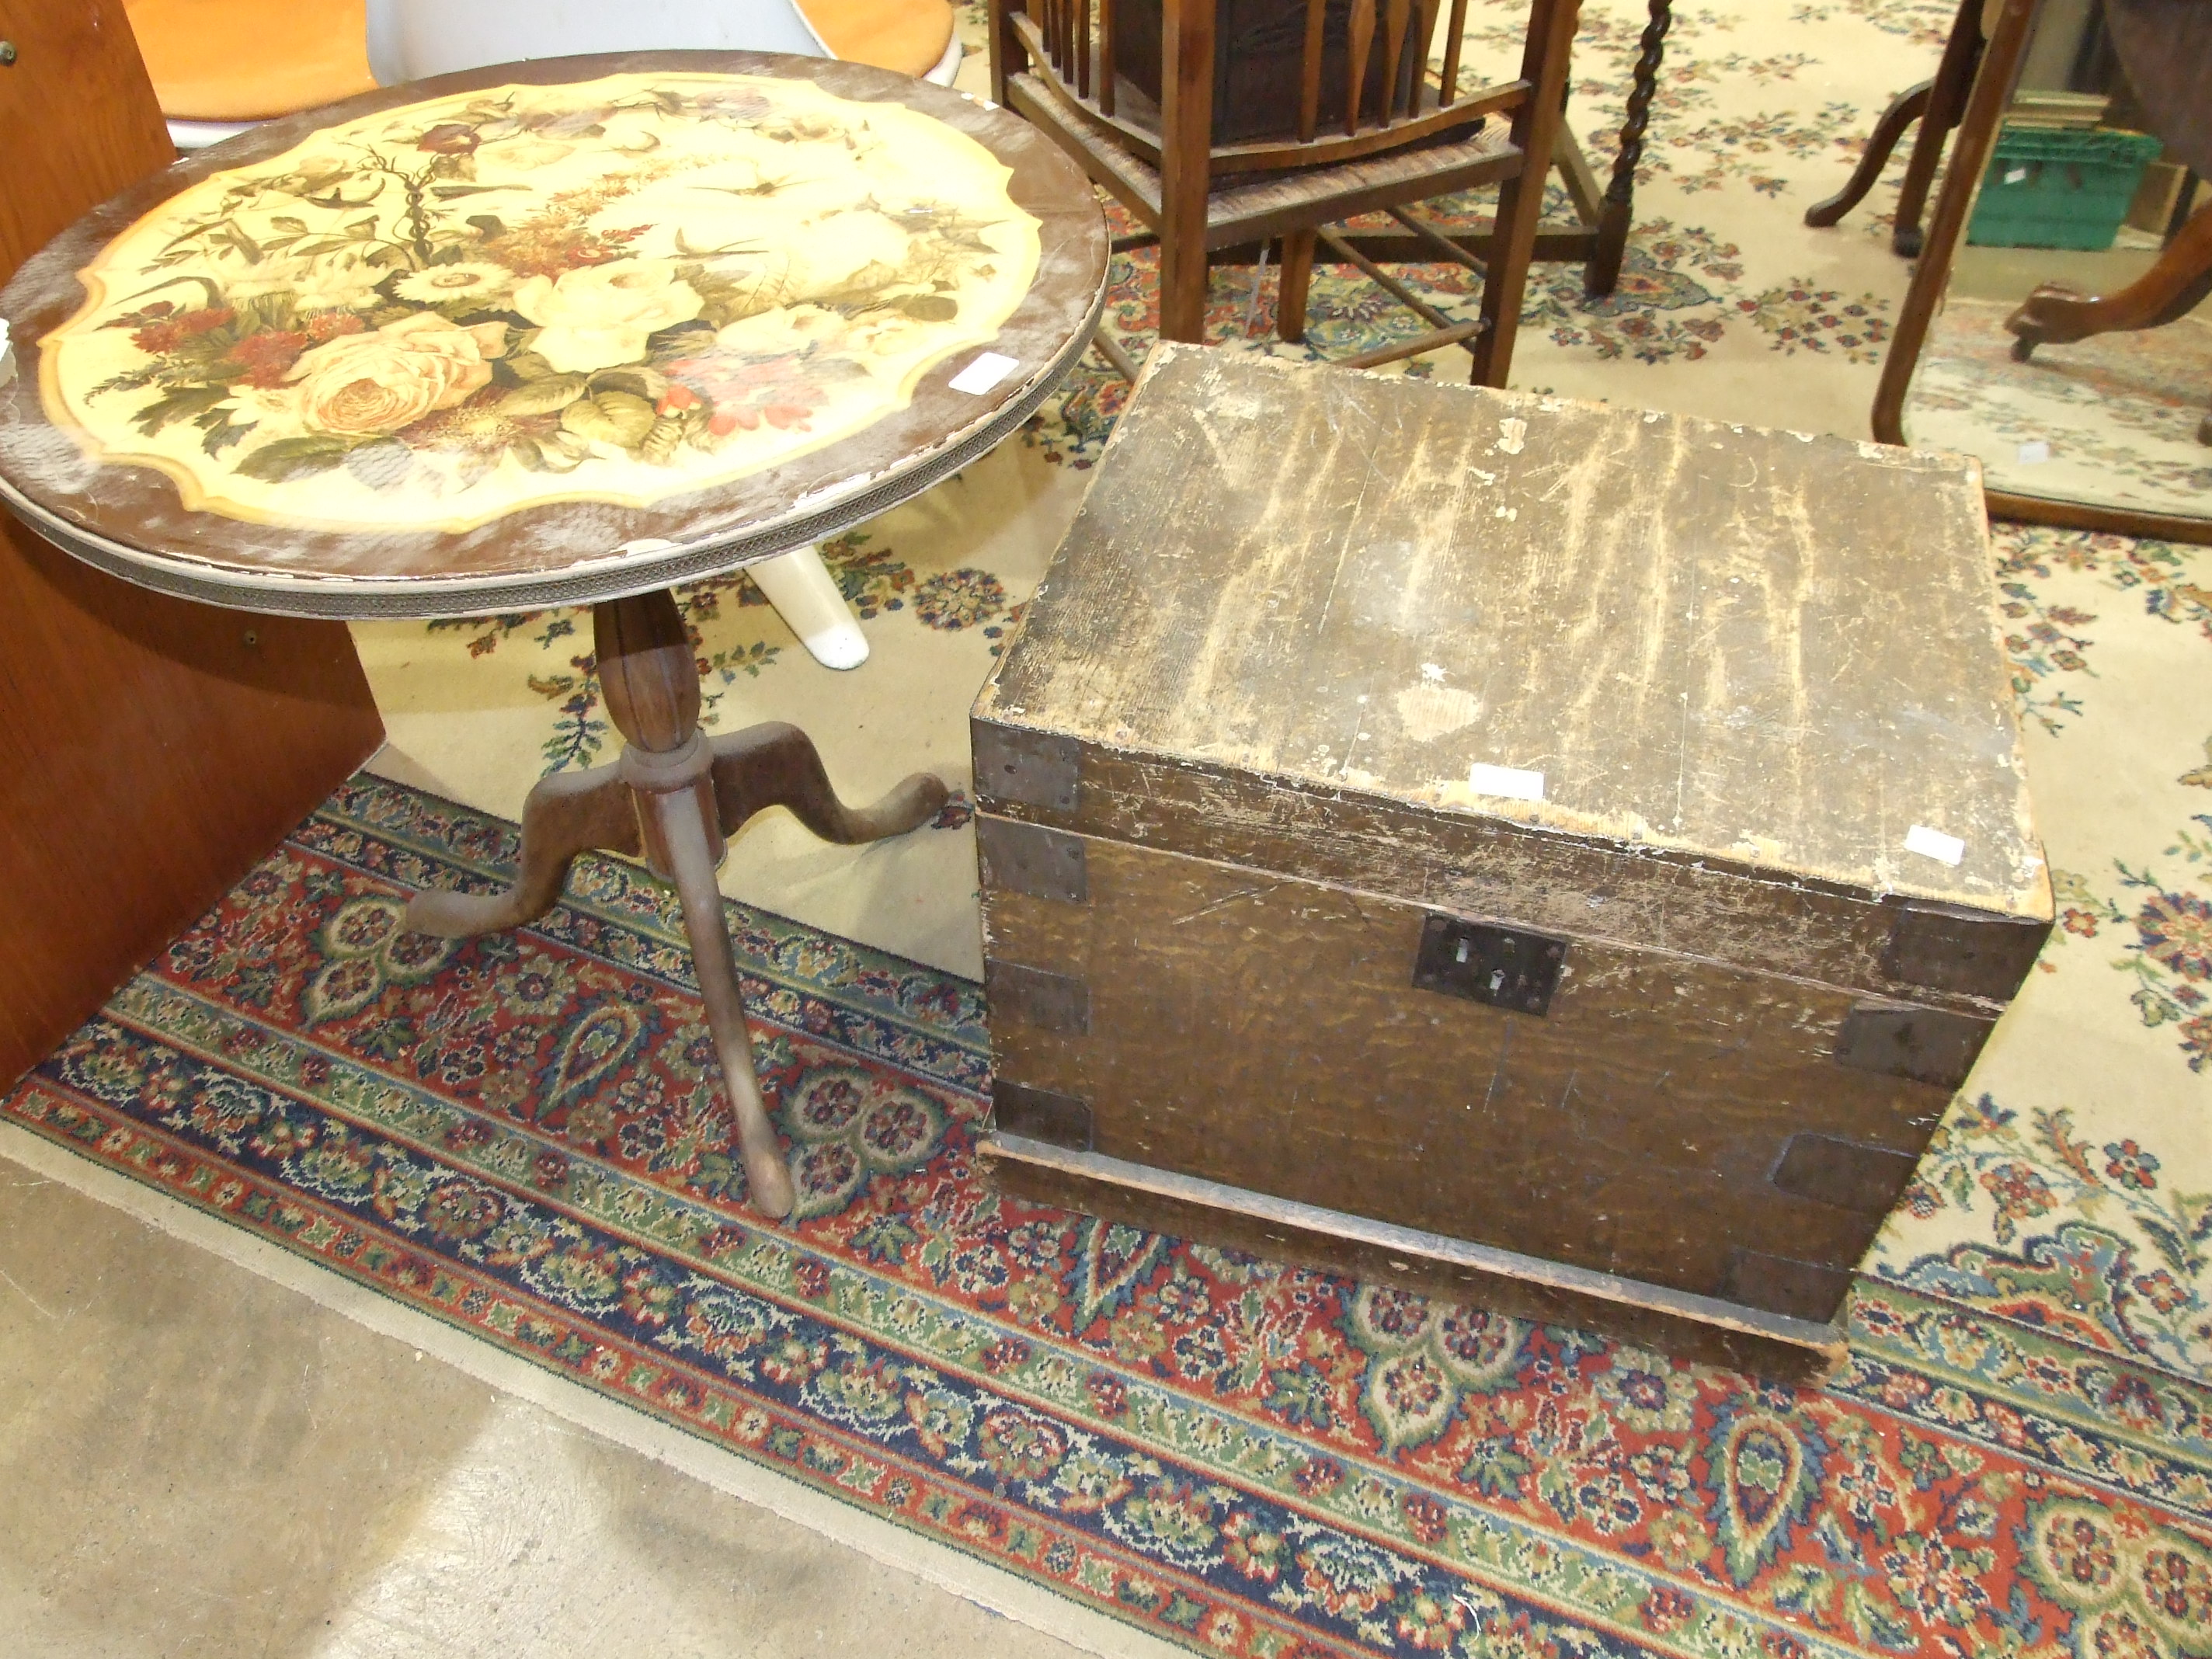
pixel 676 795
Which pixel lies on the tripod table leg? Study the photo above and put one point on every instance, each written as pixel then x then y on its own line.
pixel 685 838
pixel 568 813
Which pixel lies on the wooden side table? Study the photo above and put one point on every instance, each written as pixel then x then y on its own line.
pixel 558 332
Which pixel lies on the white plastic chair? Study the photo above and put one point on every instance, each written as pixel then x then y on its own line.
pixel 409 39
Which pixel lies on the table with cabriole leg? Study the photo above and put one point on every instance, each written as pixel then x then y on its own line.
pixel 568 332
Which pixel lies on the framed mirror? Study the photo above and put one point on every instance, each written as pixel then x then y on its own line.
pixel 2057 326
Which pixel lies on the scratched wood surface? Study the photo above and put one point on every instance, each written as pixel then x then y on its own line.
pixel 133 518
pixel 1263 1032
pixel 1763 656
pixel 1236 760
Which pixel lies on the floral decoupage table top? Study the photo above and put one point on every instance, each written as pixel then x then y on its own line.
pixel 614 293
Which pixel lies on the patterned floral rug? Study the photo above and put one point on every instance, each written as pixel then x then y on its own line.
pixel 1230 1454
pixel 511 1135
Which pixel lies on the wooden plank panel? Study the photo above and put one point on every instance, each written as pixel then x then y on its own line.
pixel 1264 1033
pixel 1639 896
pixel 1692 631
pixel 150 750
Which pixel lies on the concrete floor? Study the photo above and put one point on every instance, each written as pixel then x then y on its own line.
pixel 196 1461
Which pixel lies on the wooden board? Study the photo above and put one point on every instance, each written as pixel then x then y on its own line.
pixel 549 526
pixel 1750 656
pixel 1264 1033
pixel 150 750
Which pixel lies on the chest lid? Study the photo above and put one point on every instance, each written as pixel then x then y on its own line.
pixel 1719 648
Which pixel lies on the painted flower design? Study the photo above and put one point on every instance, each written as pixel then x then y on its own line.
pixel 367 385
pixel 442 312
pixel 467 281
pixel 602 315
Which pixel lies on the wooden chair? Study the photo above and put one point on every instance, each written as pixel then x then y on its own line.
pixel 1224 123
pixel 1938 105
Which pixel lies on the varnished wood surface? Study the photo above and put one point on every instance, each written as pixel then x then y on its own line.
pixel 2175 285
pixel 1265 1033
pixel 1785 1350
pixel 150 750
pixel 2084 515
pixel 78 120
pixel 1762 652
pixel 2004 26
pixel 132 517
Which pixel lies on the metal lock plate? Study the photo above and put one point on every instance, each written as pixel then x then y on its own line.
pixel 1977 953
pixel 1036 997
pixel 1503 966
pixel 1924 1045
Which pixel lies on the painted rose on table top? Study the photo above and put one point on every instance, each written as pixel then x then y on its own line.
pixel 618 290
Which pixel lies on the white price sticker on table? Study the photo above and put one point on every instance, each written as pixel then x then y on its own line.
pixel 985 372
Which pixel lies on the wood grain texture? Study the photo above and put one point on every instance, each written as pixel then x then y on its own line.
pixel 1783 1349
pixel 150 750
pixel 1265 1033
pixel 1760 650
pixel 1300 610
pixel 601 548
pixel 1727 909
pixel 1272 205
pixel 78 120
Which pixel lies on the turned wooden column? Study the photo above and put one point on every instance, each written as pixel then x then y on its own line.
pixel 651 682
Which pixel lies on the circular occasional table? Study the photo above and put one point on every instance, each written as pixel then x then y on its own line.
pixel 559 332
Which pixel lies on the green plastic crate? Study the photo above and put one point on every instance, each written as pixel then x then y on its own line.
pixel 2050 187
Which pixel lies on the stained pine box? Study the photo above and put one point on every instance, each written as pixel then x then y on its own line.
pixel 1473 840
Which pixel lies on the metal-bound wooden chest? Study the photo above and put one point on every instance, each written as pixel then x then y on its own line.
pixel 1556 857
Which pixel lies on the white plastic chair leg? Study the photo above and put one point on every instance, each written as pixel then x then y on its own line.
pixel 805 595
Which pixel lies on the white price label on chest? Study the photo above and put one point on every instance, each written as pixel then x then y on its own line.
pixel 1933 844
pixel 1508 781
